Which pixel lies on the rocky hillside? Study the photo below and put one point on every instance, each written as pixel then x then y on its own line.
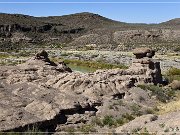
pixel 86 30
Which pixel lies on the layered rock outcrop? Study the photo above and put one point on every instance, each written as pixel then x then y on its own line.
pixel 49 94
pixel 149 70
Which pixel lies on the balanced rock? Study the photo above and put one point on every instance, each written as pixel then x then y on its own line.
pixel 42 55
pixel 143 52
pixel 147 69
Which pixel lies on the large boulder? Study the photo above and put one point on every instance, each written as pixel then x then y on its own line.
pixel 175 84
pixel 42 55
pixel 143 52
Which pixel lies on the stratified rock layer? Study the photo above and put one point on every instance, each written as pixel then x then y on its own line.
pixel 45 93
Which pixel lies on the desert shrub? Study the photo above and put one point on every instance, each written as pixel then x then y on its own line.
pixel 128 117
pixel 162 94
pixel 24 54
pixel 97 121
pixel 2 56
pixel 172 77
pixel 172 74
pixel 136 109
pixel 70 130
pixel 177 49
pixel 150 111
pixel 92 64
pixel 87 128
pixel 65 54
pixel 173 71
pixel 113 122
pixel 108 120
pixel 86 48
pixel 125 118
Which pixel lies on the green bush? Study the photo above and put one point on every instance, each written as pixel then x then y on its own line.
pixel 162 94
pixel 172 74
pixel 65 54
pixel 87 128
pixel 108 120
pixel 128 117
pixel 172 77
pixel 2 56
pixel 113 122
pixel 97 121
pixel 92 64
pixel 173 71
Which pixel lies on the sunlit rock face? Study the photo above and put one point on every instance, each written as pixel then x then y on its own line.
pixel 47 93
pixel 144 65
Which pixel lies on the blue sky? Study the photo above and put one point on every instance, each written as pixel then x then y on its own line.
pixel 125 12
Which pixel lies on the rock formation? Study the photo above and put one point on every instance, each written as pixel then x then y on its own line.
pixel 41 92
pixel 147 69
pixel 143 52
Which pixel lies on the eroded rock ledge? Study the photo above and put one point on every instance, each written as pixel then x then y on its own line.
pixel 48 94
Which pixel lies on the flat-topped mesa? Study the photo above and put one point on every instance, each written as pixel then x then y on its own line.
pixel 144 64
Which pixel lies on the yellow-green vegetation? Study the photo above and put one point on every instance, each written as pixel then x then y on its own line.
pixel 14 58
pixel 112 122
pixel 136 109
pixel 86 128
pixel 173 74
pixel 86 48
pixel 2 56
pixel 24 54
pixel 93 64
pixel 171 106
pixel 141 131
pixel 163 94
pixel 173 71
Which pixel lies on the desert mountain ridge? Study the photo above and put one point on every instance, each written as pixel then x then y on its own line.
pixel 171 21
pixel 82 29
